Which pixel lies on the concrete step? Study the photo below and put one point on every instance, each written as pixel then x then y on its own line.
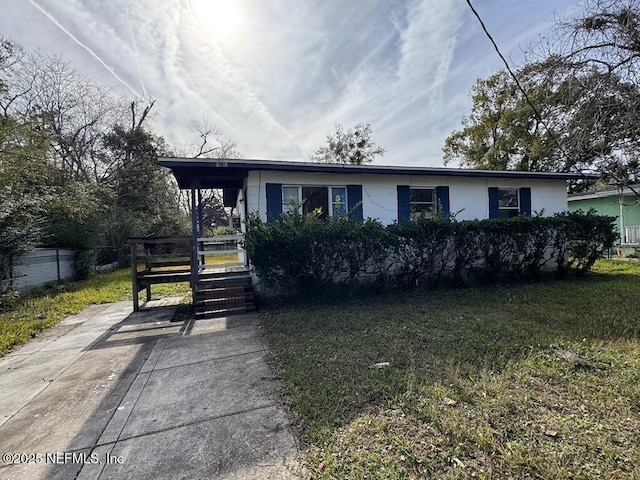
pixel 223 282
pixel 221 292
pixel 224 301
pixel 224 294
pixel 224 312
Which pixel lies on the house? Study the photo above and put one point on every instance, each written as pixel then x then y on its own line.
pixel 386 193
pixel 622 203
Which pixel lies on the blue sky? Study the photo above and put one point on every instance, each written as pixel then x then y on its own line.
pixel 275 76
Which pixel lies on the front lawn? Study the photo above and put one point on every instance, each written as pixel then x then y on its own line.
pixel 521 381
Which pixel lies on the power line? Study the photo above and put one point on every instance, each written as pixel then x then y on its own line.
pixel 515 79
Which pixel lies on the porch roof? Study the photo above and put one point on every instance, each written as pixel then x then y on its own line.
pixel 229 173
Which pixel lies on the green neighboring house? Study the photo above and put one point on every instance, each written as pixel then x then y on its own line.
pixel 616 202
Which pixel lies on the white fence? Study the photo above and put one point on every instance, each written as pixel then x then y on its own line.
pixel 41 266
pixel 221 245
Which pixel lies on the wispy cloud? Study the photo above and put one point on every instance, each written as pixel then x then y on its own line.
pixel 110 69
pixel 293 69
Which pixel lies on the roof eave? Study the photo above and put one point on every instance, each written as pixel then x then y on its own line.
pixel 276 165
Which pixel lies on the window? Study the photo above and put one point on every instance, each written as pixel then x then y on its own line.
pixel 508 202
pixel 331 201
pixel 423 202
pixel 338 201
pixel 290 198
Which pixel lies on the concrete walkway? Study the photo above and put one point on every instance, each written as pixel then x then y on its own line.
pixel 110 394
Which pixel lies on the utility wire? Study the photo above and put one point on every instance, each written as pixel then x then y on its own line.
pixel 518 84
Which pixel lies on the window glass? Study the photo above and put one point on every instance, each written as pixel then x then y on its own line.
pixel 290 195
pixel 508 202
pixel 423 203
pixel 339 201
pixel 508 198
pixel 422 195
pixel 313 198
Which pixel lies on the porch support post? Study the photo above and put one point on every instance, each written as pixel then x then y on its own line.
pixel 194 235
pixel 200 220
pixel 201 224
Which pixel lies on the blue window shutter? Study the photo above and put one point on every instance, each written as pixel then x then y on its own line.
pixel 404 203
pixel 494 203
pixel 443 199
pixel 525 201
pixel 274 201
pixel 354 202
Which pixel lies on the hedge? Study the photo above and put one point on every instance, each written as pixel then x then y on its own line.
pixel 301 253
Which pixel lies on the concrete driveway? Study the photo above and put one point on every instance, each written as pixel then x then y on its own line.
pixel 110 394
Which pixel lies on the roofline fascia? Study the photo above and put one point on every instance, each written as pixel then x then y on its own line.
pixel 278 165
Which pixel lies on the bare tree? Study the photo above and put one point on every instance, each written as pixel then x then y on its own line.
pixel 11 54
pixel 207 134
pixel 583 81
pixel 210 145
pixel 604 36
pixel 72 111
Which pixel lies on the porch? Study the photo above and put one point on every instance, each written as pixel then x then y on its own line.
pixel 216 267
pixel 216 270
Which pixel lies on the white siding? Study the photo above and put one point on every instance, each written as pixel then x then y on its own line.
pixel 468 196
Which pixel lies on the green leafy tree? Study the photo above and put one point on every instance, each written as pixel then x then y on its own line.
pixel 584 121
pixel 25 185
pixel 502 131
pixel 584 82
pixel 353 146
pixel 145 198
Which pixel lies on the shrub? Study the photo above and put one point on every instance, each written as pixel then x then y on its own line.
pixel 590 235
pixel 497 247
pixel 421 249
pixel 306 253
pixel 278 251
pixel 19 233
pixel 366 249
pixel 466 239
pixel 222 231
pixel 84 264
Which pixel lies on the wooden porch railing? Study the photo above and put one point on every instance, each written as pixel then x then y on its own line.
pixel 156 260
pixel 211 249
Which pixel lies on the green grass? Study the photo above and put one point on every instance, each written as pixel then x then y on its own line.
pixel 476 386
pixel 44 308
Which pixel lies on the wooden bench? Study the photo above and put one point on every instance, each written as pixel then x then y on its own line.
pixel 159 260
